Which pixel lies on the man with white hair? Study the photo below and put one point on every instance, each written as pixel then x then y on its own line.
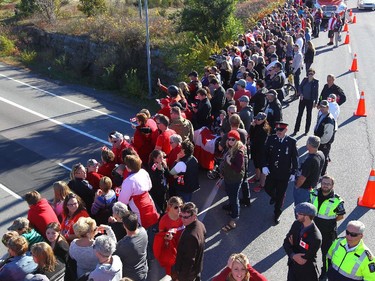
pixel 109 266
pixel 349 258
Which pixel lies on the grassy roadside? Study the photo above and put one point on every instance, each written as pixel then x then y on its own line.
pixel 120 24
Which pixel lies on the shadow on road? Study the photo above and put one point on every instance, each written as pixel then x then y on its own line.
pixel 349 120
pixel 356 214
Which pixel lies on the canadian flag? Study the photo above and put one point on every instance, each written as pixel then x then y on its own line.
pixel 304 245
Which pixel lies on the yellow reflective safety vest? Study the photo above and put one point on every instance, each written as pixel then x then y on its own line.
pixel 355 265
pixel 326 210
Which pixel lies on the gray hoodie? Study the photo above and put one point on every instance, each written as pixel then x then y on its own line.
pixel 107 272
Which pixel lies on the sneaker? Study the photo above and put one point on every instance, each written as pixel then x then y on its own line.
pixel 258 188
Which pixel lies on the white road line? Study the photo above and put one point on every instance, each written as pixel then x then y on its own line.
pixel 66 99
pixel 65 167
pixel 356 89
pixel 208 204
pixel 55 121
pixel 3 187
pixel 350 49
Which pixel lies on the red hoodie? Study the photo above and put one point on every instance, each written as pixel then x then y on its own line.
pixel 40 215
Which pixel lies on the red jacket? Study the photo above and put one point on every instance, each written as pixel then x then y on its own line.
pixel 118 151
pixel 143 143
pixel 94 178
pixel 40 215
pixel 254 275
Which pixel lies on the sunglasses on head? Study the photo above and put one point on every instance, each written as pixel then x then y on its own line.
pixel 352 234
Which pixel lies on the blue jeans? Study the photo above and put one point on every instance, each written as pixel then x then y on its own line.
pixel 232 190
pixel 301 195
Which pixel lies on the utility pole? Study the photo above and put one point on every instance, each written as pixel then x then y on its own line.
pixel 148 52
pixel 140 8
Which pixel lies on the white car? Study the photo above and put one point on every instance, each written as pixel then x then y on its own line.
pixel 366 4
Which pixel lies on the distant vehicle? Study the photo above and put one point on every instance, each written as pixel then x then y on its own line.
pixel 366 4
pixel 331 6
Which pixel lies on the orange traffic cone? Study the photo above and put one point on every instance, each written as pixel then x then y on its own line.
pixel 361 108
pixel 347 38
pixel 354 64
pixel 350 12
pixel 368 198
pixel 345 28
pixel 354 19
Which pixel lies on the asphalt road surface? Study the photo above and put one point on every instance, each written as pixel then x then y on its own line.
pixel 46 127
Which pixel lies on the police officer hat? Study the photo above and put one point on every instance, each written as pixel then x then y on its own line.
pixel 281 125
pixel 305 208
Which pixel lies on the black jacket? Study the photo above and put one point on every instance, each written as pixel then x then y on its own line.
pixel 314 89
pixel 281 158
pixel 334 89
pixel 306 241
pixel 202 117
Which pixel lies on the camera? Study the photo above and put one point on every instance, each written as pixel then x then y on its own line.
pixel 219 59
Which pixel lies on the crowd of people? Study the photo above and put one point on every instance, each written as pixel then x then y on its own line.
pixel 137 202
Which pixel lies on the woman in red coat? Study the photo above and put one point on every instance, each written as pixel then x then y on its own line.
pixel 142 139
pixel 239 269
pixel 166 240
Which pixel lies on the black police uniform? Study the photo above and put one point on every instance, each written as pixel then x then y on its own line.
pixel 307 241
pixel 281 158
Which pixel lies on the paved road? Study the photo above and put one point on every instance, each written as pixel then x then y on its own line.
pixel 46 126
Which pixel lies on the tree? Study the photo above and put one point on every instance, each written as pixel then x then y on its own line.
pixel 92 7
pixel 26 7
pixel 209 19
pixel 48 9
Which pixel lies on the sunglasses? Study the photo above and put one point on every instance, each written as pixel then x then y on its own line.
pixel 231 139
pixel 280 129
pixel 185 217
pixel 176 207
pixel 352 234
pixel 311 73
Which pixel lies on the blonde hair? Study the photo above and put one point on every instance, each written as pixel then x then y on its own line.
pixel 61 190
pixel 244 261
pixel 235 148
pixel 105 184
pixel 84 226
pixel 74 170
pixel 45 256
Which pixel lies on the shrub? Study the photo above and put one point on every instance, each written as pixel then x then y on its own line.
pixel 28 57
pixel 207 18
pixel 26 7
pixel 188 53
pixel 108 77
pixel 132 85
pixel 7 46
pixel 92 7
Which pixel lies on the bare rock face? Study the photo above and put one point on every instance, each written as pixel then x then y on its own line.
pixel 92 59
